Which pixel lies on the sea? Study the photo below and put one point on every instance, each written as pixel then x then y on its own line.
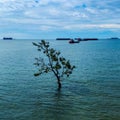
pixel 92 92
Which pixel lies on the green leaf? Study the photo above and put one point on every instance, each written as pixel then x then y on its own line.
pixel 37 74
pixel 35 44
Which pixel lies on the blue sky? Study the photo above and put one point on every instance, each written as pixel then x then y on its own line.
pixel 59 18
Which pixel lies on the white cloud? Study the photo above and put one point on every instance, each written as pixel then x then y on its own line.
pixel 48 15
pixel 111 26
pixel 92 26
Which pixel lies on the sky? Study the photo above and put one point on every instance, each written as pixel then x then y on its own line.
pixel 59 18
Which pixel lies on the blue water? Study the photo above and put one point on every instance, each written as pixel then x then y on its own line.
pixel 92 92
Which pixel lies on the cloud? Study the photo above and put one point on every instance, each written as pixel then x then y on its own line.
pixel 93 26
pixel 47 15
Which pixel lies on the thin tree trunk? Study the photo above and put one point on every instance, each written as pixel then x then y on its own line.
pixel 59 83
pixel 56 74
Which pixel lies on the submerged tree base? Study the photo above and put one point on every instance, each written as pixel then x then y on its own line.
pixel 59 86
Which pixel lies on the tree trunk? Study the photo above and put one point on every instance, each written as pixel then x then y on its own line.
pixel 59 83
pixel 58 79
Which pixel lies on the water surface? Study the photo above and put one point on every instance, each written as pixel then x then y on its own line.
pixel 91 92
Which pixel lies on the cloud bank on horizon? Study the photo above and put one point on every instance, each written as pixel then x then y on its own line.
pixel 54 18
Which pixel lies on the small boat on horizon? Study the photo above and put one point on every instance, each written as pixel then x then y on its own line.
pixel 7 38
pixel 74 41
pixel 86 39
pixel 114 38
pixel 63 38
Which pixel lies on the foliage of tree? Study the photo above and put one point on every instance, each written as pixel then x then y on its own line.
pixel 55 63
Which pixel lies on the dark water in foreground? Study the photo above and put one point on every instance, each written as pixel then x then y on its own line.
pixel 91 93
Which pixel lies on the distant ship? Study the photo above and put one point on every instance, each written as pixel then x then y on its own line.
pixel 79 39
pixel 63 38
pixel 114 38
pixel 86 39
pixel 74 41
pixel 7 38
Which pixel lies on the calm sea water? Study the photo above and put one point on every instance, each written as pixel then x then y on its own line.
pixel 92 92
